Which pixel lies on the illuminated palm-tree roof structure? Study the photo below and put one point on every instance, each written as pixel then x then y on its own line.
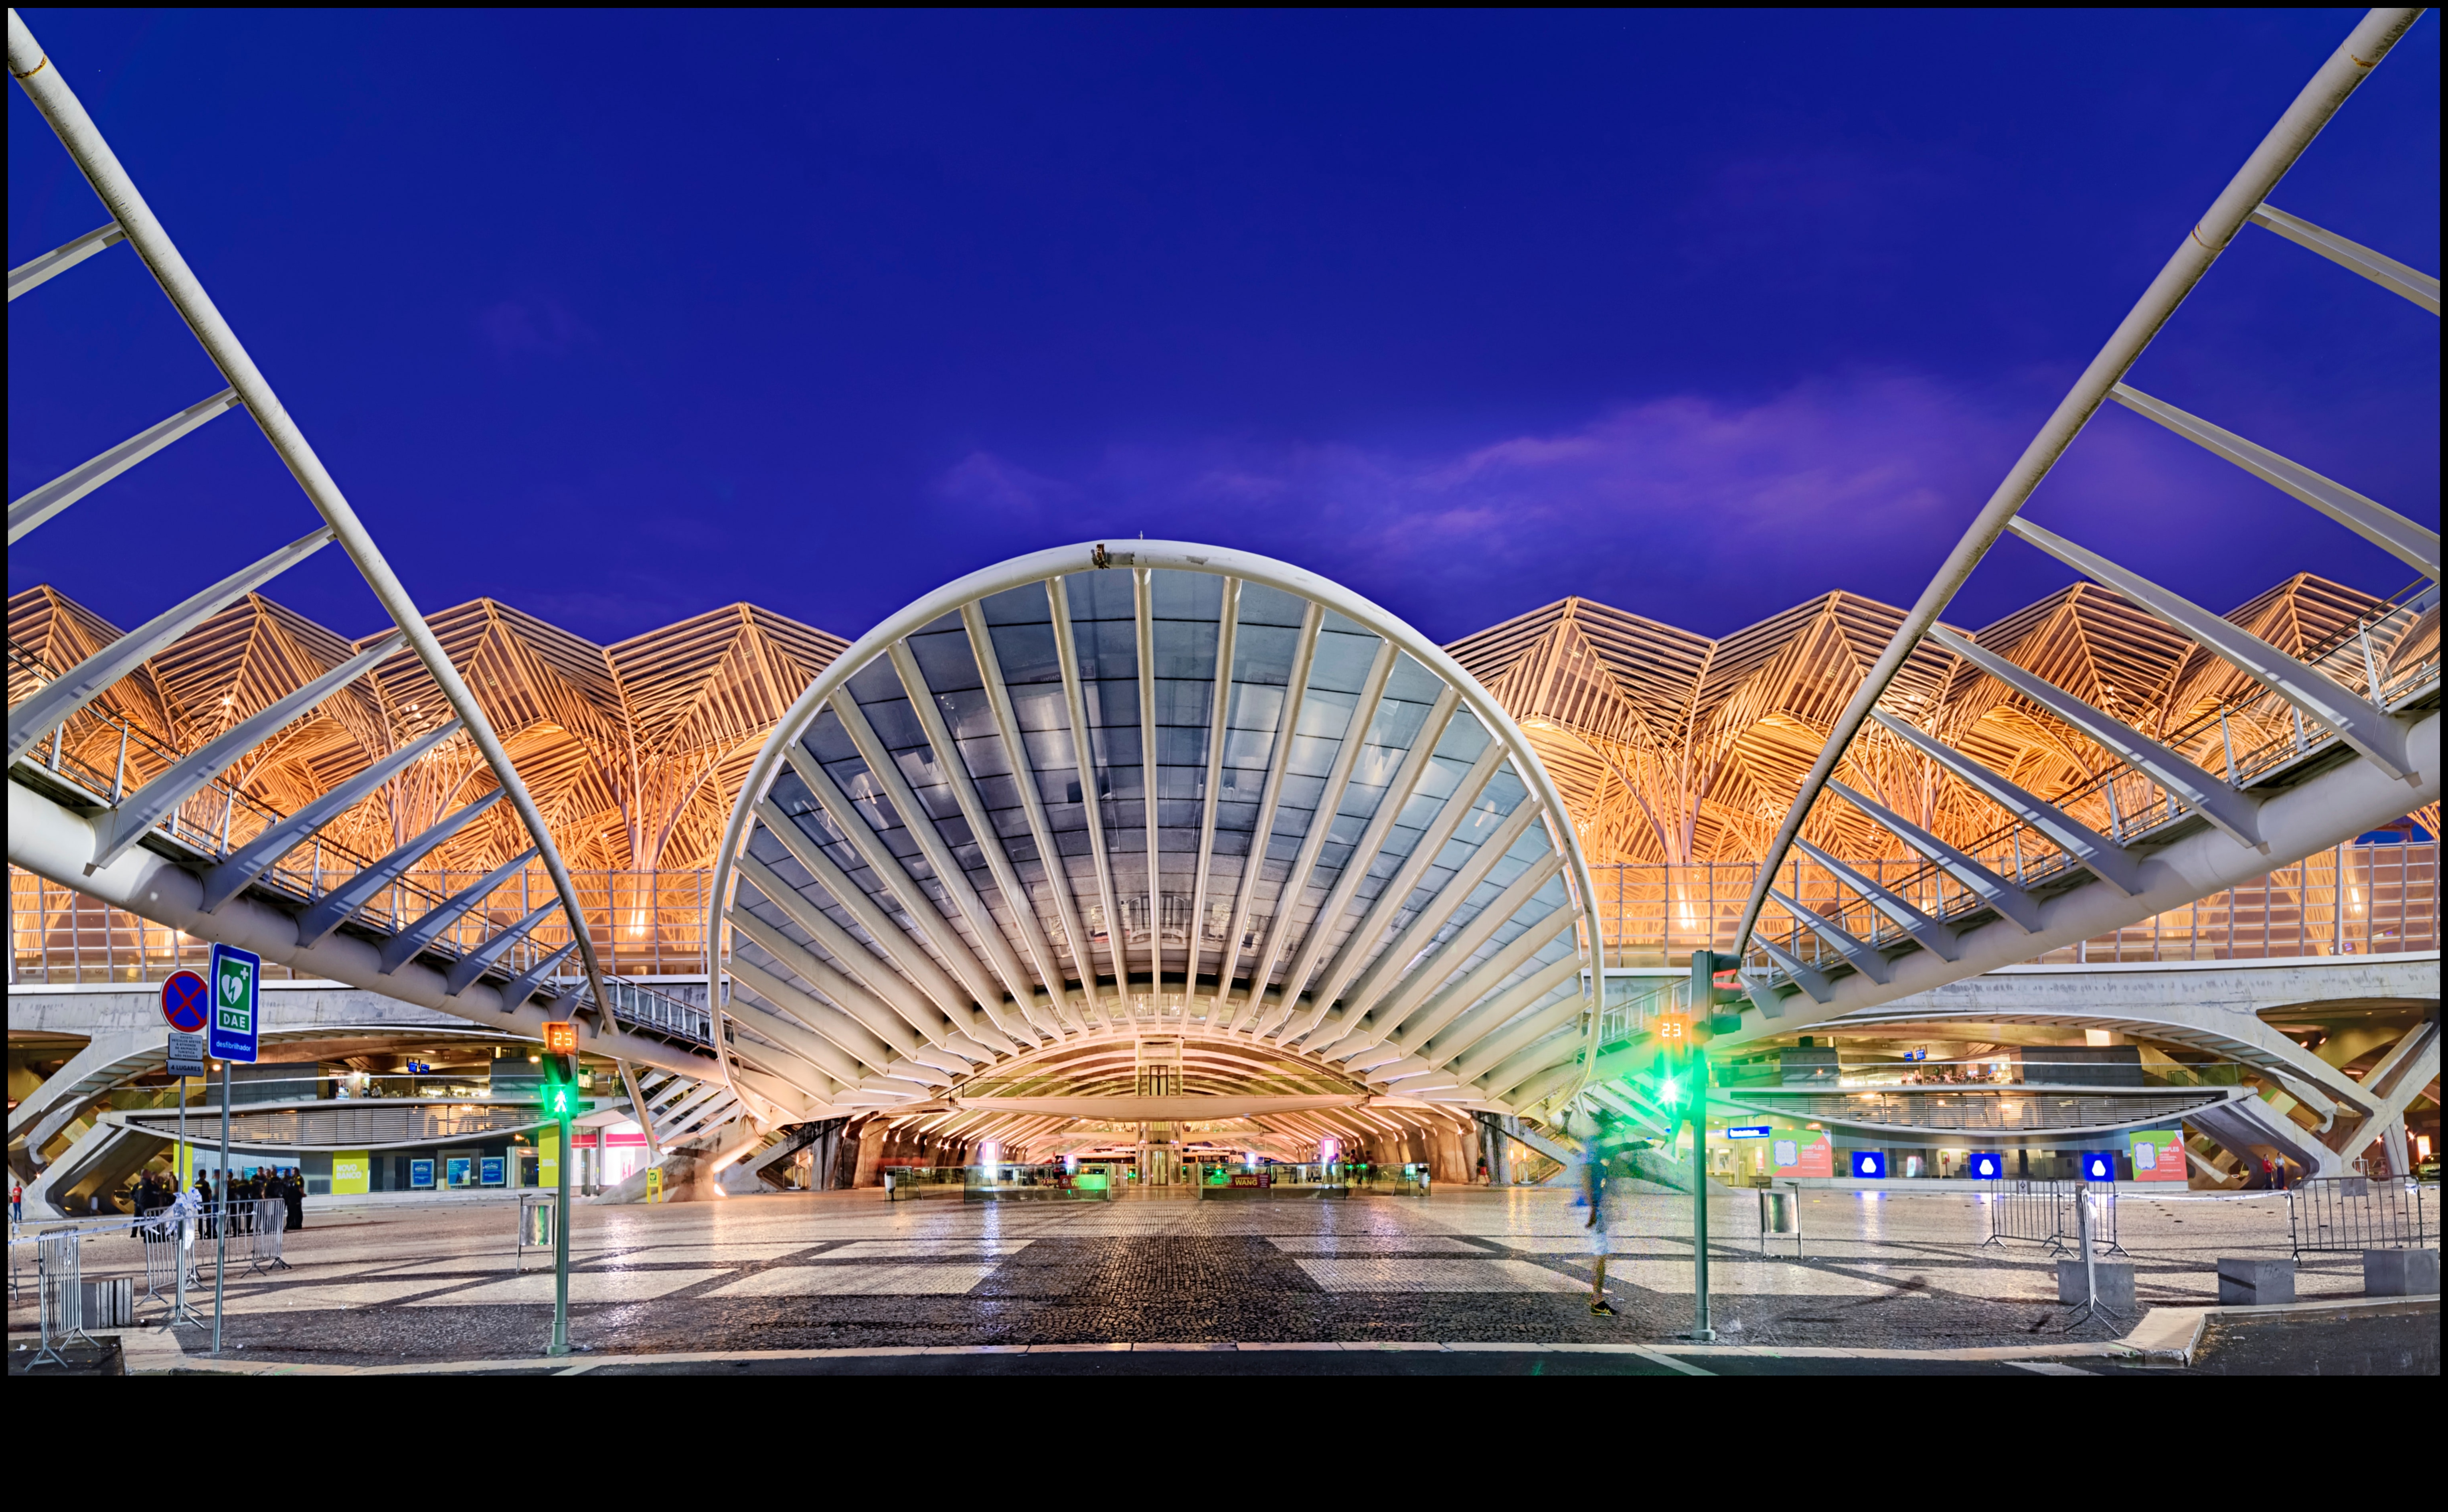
pixel 1670 748
pixel 1675 749
pixel 633 750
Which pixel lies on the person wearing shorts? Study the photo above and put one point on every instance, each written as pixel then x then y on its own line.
pixel 1594 1193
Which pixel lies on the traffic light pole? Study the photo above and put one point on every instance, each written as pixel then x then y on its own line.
pixel 1701 1329
pixel 560 1242
pixel 1704 969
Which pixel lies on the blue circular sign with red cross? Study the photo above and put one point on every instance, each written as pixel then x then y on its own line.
pixel 183 1001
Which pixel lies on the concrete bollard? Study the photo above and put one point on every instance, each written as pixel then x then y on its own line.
pixel 2251 1283
pixel 2400 1272
pixel 2115 1284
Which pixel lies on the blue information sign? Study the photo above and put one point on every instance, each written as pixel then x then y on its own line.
pixel 420 1173
pixel 236 979
pixel 1870 1164
pixel 2099 1165
pixel 1749 1130
pixel 1986 1165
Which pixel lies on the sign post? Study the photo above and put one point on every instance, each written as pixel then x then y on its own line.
pixel 183 999
pixel 184 1007
pixel 235 978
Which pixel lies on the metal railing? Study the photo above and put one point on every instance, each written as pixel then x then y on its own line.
pixel 59 1285
pixel 2390 654
pixel 1005 1180
pixel 354 1126
pixel 2348 1213
pixel 653 911
pixel 2048 1213
pixel 644 1007
pixel 176 1244
pixel 908 1183
pixel 1974 1109
pixel 1657 915
pixel 653 923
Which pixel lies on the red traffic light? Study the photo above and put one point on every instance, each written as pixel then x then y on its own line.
pixel 560 1037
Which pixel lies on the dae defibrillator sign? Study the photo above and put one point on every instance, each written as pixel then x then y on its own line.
pixel 235 979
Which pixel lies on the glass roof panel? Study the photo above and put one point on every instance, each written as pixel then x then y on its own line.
pixel 1133 754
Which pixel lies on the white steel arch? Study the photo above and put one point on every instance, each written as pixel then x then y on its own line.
pixel 923 880
pixel 141 850
pixel 2312 753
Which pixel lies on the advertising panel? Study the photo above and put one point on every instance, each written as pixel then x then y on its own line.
pixel 2159 1155
pixel 1802 1153
pixel 353 1171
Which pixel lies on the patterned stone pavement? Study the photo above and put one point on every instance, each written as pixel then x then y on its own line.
pixel 847 1270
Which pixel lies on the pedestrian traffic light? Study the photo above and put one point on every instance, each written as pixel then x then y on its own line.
pixel 558 1091
pixel 1717 981
pixel 1672 1064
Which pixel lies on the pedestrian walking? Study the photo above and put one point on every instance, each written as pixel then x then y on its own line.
pixel 16 1203
pixel 1595 1139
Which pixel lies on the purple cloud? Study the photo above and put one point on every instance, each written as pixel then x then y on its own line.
pixel 1701 512
pixel 1691 509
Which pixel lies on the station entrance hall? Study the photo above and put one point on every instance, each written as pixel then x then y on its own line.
pixel 1140 952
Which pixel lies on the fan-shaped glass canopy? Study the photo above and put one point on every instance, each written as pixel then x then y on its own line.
pixel 1099 796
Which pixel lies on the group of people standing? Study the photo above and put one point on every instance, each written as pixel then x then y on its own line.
pixel 158 1191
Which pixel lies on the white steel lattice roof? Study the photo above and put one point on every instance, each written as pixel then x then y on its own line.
pixel 1164 788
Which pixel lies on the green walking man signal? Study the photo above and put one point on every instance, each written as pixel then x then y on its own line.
pixel 1672 1064
pixel 1677 1065
pixel 561 1103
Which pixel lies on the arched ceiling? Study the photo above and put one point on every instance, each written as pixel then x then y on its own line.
pixel 1168 791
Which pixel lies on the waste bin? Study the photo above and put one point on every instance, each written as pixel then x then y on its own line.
pixel 535 1226
pixel 1780 1214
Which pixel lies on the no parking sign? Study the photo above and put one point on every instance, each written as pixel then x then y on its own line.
pixel 185 1006
pixel 183 1001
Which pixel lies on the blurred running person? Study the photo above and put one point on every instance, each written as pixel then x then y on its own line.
pixel 1595 1142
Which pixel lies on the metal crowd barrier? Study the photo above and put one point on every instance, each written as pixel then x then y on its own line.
pixel 2350 1213
pixel 59 1285
pixel 2044 1213
pixel 169 1240
pixel 69 1305
pixel 271 1221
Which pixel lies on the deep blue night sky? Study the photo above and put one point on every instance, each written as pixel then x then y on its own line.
pixel 619 317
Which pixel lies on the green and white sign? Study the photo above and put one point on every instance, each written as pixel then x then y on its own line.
pixel 236 978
